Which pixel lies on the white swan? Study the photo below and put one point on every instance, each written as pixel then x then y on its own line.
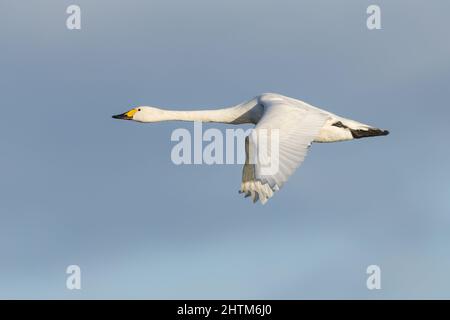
pixel 299 125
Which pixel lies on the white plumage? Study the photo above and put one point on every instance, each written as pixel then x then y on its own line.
pixel 296 123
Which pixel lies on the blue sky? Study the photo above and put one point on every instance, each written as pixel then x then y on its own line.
pixel 78 187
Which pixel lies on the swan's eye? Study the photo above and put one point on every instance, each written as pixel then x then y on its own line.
pixel 139 109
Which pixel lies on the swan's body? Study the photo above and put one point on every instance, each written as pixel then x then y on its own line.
pixel 299 125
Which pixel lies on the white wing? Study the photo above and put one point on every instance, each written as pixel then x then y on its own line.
pixel 297 124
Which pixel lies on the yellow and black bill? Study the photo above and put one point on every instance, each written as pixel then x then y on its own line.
pixel 126 116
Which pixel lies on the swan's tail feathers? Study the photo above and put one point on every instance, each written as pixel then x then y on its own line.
pixel 341 129
pixel 369 132
pixel 359 130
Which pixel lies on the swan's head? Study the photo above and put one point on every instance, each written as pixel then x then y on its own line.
pixel 141 114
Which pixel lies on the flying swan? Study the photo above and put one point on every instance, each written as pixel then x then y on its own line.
pixel 298 124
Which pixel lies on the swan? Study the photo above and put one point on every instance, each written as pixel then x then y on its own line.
pixel 299 125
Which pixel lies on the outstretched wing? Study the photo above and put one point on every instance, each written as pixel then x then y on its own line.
pixel 278 144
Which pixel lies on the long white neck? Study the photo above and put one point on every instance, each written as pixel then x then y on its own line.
pixel 227 115
pixel 247 112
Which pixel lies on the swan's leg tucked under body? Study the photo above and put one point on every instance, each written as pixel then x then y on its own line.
pixel 341 129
